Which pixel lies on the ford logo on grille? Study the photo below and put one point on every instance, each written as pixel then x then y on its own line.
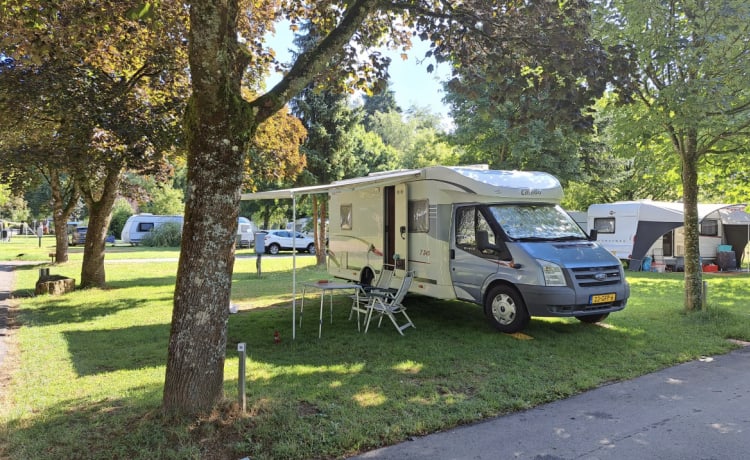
pixel 600 276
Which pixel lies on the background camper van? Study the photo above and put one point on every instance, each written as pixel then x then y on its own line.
pixel 495 238
pixel 139 225
pixel 636 230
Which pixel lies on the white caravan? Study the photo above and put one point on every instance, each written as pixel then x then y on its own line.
pixel 495 238
pixel 246 230
pixel 139 225
pixel 634 230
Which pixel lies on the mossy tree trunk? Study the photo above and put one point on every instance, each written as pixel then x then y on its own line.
pixel 693 270
pixel 217 134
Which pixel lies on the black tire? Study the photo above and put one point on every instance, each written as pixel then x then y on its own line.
pixel 506 310
pixel 365 279
pixel 311 248
pixel 591 319
pixel 274 249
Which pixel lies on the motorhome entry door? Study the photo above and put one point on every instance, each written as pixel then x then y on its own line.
pixel 396 223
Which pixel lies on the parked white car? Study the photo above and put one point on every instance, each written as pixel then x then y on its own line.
pixel 281 240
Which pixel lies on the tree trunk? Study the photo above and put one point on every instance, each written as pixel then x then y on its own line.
pixel 62 206
pixel 100 214
pixel 693 269
pixel 216 139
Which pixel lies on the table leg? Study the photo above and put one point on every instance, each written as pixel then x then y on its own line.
pixel 330 298
pixel 320 324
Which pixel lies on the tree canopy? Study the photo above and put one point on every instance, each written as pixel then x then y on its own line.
pixel 690 89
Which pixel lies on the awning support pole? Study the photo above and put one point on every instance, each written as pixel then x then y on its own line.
pixel 294 267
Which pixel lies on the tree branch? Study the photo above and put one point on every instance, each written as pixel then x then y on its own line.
pixel 311 63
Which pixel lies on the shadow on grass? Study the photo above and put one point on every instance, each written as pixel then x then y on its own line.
pixel 111 428
pixel 143 282
pixel 58 310
pixel 108 350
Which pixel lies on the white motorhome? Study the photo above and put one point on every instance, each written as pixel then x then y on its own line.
pixel 139 225
pixel 634 230
pixel 495 238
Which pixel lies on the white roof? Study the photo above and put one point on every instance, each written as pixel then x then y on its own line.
pixel 668 211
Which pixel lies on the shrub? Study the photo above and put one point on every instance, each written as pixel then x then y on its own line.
pixel 120 213
pixel 168 234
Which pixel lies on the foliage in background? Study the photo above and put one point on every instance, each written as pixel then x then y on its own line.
pixel 168 234
pixel 121 211
pixel 165 200
pixel 12 206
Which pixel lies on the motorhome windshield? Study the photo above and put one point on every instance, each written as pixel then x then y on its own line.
pixel 536 222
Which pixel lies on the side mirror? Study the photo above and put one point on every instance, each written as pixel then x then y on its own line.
pixel 483 241
pixel 592 235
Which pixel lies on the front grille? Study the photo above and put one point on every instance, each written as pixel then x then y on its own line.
pixel 597 276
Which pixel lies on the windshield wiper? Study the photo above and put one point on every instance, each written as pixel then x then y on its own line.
pixel 530 238
pixel 569 238
pixel 542 238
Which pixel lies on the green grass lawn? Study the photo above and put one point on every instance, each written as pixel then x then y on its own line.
pixel 90 369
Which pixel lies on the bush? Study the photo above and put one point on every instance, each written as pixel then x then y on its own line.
pixel 120 213
pixel 168 234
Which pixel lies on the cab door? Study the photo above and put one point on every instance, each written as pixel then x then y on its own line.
pixel 471 265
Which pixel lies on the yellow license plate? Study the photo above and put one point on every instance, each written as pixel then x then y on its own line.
pixel 602 298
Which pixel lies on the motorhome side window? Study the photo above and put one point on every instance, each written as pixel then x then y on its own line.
pixel 145 226
pixel 419 213
pixel 604 224
pixel 346 216
pixel 710 227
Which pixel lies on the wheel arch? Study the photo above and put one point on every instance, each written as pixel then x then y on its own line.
pixel 499 282
pixel 366 275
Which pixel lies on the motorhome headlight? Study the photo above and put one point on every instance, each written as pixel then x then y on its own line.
pixel 553 273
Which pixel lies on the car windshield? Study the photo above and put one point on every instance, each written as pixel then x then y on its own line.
pixel 536 222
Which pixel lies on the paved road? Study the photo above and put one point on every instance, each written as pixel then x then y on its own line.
pixel 697 410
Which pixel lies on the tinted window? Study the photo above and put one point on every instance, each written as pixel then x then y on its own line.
pixel 346 216
pixel 145 226
pixel 710 227
pixel 604 224
pixel 419 213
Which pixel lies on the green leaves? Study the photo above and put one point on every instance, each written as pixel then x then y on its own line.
pixel 141 11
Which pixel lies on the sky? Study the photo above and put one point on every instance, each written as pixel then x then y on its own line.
pixel 410 81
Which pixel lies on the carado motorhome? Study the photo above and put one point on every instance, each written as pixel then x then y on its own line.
pixel 495 238
pixel 139 225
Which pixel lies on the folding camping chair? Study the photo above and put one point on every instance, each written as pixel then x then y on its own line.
pixel 361 298
pixel 389 304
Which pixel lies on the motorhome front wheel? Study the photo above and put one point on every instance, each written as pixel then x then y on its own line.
pixel 505 309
